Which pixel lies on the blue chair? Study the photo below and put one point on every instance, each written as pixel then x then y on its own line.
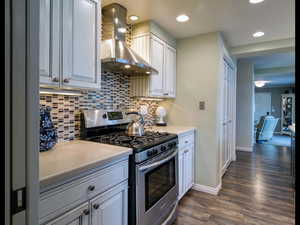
pixel 266 130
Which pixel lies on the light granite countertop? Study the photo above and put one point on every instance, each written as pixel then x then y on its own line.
pixel 72 158
pixel 171 129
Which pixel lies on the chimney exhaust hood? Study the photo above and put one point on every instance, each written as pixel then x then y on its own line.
pixel 115 55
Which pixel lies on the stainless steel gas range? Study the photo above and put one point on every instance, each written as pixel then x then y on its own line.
pixel 153 166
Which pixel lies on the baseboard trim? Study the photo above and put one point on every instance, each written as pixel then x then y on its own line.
pixel 245 149
pixel 207 189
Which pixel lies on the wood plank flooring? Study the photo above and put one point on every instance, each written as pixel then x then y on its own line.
pixel 256 189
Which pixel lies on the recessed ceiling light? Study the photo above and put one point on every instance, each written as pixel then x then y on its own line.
pixel 260 83
pixel 255 1
pixel 182 18
pixel 127 66
pixel 122 30
pixel 258 34
pixel 133 18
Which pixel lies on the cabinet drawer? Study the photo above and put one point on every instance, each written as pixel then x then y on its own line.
pixel 186 140
pixel 58 200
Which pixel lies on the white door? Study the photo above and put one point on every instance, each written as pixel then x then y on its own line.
pixel 21 112
pixel 262 104
pixel 110 208
pixel 157 61
pixel 81 43
pixel 77 216
pixel 228 125
pixel 170 71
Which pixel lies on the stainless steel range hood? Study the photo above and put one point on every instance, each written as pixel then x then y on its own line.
pixel 115 55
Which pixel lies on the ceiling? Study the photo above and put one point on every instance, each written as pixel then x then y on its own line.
pixel 274 60
pixel 280 68
pixel 236 19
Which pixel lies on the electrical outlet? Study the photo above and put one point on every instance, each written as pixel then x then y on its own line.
pixel 202 105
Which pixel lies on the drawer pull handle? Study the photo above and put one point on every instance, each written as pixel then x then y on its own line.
pixel 96 206
pixel 86 212
pixel 55 79
pixel 66 80
pixel 186 151
pixel 91 187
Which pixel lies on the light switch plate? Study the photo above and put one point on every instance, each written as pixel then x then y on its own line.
pixel 202 105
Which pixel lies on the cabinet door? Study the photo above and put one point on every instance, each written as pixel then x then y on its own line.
pixel 77 216
pixel 141 45
pixel 111 207
pixel 180 174
pixel 188 168
pixel 157 61
pixel 81 43
pixel 170 71
pixel 49 42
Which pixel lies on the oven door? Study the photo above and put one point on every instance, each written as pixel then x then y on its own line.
pixel 157 189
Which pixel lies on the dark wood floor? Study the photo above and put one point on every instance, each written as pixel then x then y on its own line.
pixel 256 189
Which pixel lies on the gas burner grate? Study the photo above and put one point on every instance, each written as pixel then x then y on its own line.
pixel 122 139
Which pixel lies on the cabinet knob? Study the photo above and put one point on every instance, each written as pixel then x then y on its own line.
pixel 96 206
pixel 91 188
pixel 86 212
pixel 186 142
pixel 66 80
pixel 55 79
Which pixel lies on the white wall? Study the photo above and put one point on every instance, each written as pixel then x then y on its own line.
pixel 198 79
pixel 245 105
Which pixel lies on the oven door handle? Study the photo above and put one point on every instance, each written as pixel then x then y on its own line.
pixel 155 164
pixel 170 215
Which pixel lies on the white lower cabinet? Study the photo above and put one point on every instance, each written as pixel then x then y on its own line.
pixel 185 164
pixel 99 198
pixel 111 208
pixel 77 216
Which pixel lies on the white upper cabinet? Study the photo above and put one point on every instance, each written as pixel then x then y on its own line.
pixel 157 61
pixel 162 57
pixel 70 40
pixel 81 36
pixel 49 44
pixel 170 71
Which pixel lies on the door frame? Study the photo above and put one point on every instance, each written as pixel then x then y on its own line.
pixel 231 64
pixel 22 109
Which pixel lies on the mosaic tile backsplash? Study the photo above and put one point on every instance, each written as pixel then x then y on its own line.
pixel 114 94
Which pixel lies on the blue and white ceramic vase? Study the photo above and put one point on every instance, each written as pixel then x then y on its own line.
pixel 48 133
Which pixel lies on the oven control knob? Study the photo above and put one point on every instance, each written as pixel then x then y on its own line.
pixel 155 151
pixel 104 116
pixel 163 148
pixel 150 153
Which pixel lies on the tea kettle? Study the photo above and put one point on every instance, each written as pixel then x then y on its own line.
pixel 135 127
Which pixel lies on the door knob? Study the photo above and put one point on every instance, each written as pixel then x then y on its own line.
pixel 96 206
pixel 55 79
pixel 91 187
pixel 86 212
pixel 66 80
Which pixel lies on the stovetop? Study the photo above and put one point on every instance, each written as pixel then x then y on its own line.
pixel 137 143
